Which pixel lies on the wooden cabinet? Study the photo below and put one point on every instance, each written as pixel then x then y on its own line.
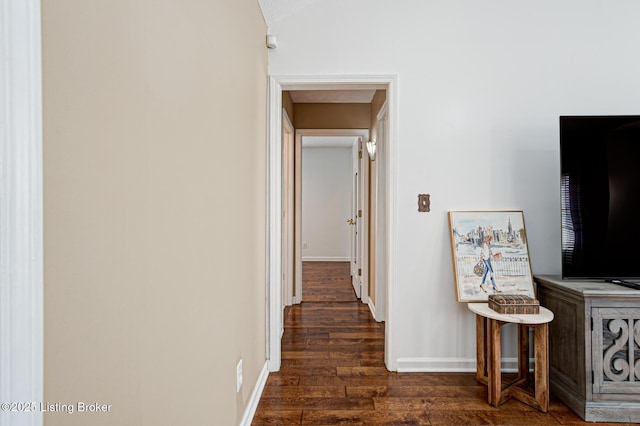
pixel 594 347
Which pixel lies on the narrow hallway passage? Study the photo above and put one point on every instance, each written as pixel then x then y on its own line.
pixel 333 371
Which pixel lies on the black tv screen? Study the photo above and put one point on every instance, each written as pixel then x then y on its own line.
pixel 600 186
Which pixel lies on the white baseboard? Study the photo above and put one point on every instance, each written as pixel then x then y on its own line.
pixel 372 308
pixel 250 411
pixel 454 365
pixel 325 259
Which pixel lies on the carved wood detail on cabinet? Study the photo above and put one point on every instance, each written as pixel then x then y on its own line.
pixel 616 352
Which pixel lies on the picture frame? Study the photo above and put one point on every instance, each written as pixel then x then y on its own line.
pixel 490 254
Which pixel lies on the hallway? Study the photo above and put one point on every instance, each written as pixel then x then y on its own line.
pixel 333 371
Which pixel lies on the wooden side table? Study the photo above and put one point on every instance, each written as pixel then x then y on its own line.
pixel 488 323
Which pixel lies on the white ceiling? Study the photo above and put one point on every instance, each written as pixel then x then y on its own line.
pixel 276 10
pixel 328 141
pixel 332 96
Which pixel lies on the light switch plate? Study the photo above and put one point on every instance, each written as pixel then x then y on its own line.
pixel 424 203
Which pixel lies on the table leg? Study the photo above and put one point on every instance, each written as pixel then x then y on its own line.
pixel 541 338
pixel 494 380
pixel 523 352
pixel 481 349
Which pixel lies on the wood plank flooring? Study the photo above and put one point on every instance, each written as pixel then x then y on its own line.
pixel 327 282
pixel 333 372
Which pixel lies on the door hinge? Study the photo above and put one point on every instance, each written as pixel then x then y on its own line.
pixel 359 213
pixel 359 272
pixel 359 154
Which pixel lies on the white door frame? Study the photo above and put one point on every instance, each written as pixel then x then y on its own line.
pixel 274 198
pixel 21 218
pixel 301 133
pixel 289 210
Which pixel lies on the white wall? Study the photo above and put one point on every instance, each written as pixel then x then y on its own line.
pixel 326 203
pixel 480 89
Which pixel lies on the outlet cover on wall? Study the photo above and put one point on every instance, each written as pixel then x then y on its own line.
pixel 305 245
pixel 239 376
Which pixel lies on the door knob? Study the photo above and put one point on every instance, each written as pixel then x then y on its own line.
pixel 351 222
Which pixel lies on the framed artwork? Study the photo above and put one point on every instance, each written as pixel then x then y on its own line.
pixel 490 254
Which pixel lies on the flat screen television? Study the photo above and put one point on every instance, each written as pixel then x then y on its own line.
pixel 600 190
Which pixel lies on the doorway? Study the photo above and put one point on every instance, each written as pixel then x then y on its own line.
pixel 275 200
pixel 328 226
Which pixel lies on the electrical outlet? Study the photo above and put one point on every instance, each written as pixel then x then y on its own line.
pixel 239 376
pixel 305 245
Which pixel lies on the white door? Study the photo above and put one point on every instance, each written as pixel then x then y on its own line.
pixel 381 217
pixel 355 220
pixel 287 212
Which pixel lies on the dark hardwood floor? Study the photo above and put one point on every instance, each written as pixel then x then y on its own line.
pixel 333 372
pixel 327 282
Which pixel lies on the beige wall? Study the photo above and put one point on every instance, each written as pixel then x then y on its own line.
pixel 332 116
pixel 154 186
pixel 376 103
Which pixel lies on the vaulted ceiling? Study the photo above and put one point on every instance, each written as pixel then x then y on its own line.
pixel 276 10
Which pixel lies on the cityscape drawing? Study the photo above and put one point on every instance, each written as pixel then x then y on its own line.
pixel 490 254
